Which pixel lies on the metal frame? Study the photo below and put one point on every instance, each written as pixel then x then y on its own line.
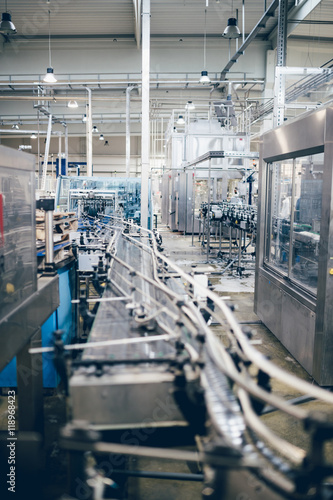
pixel 302 322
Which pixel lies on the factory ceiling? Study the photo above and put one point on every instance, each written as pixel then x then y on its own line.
pixel 173 22
pixel 120 19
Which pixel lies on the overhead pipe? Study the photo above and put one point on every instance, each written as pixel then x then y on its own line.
pixel 120 85
pixel 128 130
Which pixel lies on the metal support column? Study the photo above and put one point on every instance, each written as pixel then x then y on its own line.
pixel 145 128
pixel 59 156
pixel 30 386
pixel 239 270
pixel 66 150
pixel 89 134
pixel 128 130
pixel 279 88
pixel 46 155
pixel 193 205
pixel 208 208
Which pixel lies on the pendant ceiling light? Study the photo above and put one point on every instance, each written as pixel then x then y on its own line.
pixel 101 137
pixel 33 136
pixel 73 104
pixel 95 129
pixel 232 30
pixel 180 120
pixel 190 106
pixel 49 77
pixel 84 118
pixel 6 25
pixel 205 80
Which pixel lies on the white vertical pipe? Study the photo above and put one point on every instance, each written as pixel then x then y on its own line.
pixel 46 155
pixel 66 150
pixel 89 134
pixel 162 140
pixel 128 130
pixel 243 21
pixel 59 156
pixel 145 129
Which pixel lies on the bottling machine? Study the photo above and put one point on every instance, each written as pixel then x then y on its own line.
pixel 294 275
pixel 203 158
pixel 118 196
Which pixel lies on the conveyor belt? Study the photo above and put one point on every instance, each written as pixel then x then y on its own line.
pixel 114 320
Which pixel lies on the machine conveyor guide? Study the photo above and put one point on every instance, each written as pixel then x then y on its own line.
pixel 161 367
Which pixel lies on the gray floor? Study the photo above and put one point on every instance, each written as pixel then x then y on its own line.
pixel 240 292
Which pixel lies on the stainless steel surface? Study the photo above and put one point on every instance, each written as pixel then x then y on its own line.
pixel 165 198
pixel 322 362
pixel 25 320
pixel 303 136
pixel 18 267
pixel 182 202
pixel 301 316
pixel 49 250
pixel 106 401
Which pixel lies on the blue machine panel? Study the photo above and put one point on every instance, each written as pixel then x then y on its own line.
pixel 61 319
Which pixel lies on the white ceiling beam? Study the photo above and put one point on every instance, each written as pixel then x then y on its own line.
pixel 300 13
pixel 137 27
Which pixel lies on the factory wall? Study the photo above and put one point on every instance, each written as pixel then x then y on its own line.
pixel 81 57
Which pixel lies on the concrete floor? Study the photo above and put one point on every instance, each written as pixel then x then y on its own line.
pixel 240 291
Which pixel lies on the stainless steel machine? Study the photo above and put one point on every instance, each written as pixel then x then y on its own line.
pixel 25 301
pixel 294 271
pixel 205 157
pixel 18 266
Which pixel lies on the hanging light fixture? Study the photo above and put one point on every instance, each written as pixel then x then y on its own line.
pixel 84 118
pixel 190 106
pixel 49 77
pixel 33 136
pixel 205 80
pixel 73 104
pixel 95 129
pixel 15 126
pixel 6 25
pixel 106 143
pixel 101 137
pixel 232 30
pixel 180 120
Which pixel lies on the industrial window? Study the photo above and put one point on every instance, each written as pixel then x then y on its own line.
pixel 293 215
